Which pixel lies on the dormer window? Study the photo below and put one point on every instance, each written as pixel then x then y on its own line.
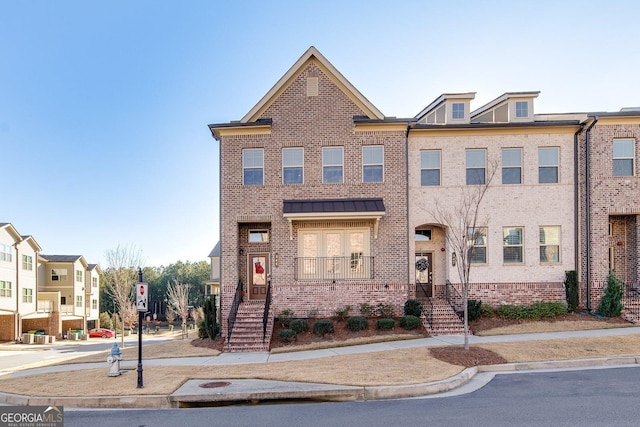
pixel 457 110
pixel 522 109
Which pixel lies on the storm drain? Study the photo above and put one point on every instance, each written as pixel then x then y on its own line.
pixel 215 384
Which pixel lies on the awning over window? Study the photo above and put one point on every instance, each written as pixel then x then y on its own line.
pixel 332 209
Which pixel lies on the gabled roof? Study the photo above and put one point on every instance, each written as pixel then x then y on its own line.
pixel 92 267
pixel 312 55
pixel 11 230
pixel 215 252
pixel 502 98
pixel 439 100
pixel 32 242
pixel 65 258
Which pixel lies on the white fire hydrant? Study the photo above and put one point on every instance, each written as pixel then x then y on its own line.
pixel 114 359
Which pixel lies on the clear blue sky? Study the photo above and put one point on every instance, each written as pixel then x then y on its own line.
pixel 104 106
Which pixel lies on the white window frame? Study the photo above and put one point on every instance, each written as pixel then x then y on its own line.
pixel 506 244
pixel 624 157
pixel 375 163
pixel 78 301
pixel 27 262
pixel 27 295
pixel 79 276
pixel 548 165
pixel 476 167
pixel 473 235
pixel 427 165
pixel 457 114
pixel 329 163
pixel 291 164
pixel 509 165
pixel 5 252
pixel 522 109
pixel 251 164
pixel 94 304
pixel 5 288
pixel 94 282
pixel 545 243
pixel 321 250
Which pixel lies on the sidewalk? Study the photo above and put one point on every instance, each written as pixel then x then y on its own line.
pixel 208 392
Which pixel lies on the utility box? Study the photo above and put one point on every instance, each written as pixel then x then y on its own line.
pixel 27 338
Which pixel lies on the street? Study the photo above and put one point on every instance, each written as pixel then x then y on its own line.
pixel 590 397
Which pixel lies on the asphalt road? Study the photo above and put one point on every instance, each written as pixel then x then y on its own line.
pixel 593 397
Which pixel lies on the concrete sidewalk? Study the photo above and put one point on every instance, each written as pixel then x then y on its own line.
pixel 211 392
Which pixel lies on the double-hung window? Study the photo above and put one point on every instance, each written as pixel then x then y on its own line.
pixel 477 238
pixel 548 164
pixel 253 166
pixel 550 244
pixel 372 163
pixel 429 167
pixel 476 166
pixel 27 295
pixel 79 301
pixel 623 157
pixel 5 288
pixel 27 262
pixel 512 249
pixel 78 275
pixel 5 252
pixel 292 165
pixel 512 165
pixel 94 282
pixel 332 165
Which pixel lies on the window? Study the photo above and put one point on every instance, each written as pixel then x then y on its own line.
pixel 623 157
pixel 334 254
pixel 477 237
pixel 292 165
pixel 372 163
pixel 476 164
pixel 332 165
pixel 27 295
pixel 258 236
pixel 423 235
pixel 429 167
pixel 253 166
pixel 522 109
pixel 550 244
pixel 27 262
pixel 78 275
pixel 58 274
pixel 5 288
pixel 94 282
pixel 94 304
pixel 512 245
pixel 79 301
pixel 5 252
pixel 512 165
pixel 548 165
pixel 457 110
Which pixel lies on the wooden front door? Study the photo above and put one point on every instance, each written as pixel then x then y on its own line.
pixel 424 274
pixel 258 276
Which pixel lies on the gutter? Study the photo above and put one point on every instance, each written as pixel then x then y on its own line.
pixel 588 209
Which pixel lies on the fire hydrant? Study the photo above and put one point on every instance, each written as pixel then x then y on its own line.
pixel 114 359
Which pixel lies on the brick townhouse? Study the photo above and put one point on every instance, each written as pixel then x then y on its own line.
pixel 325 202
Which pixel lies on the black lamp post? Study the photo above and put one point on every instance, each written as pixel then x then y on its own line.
pixel 140 315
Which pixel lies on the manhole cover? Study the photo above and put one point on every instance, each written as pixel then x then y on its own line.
pixel 215 384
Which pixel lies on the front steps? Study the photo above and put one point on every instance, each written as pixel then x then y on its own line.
pixel 631 310
pixel 248 329
pixel 444 319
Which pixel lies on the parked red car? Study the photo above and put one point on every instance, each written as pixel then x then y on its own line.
pixel 102 333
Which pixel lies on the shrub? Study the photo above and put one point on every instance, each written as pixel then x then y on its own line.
pixel 474 309
pixel 386 311
pixel 611 302
pixel 285 317
pixel 367 310
pixel 357 323
pixel 385 324
pixel 299 325
pixel 341 314
pixel 409 322
pixel 105 320
pixel 571 289
pixel 323 327
pixel 537 310
pixel 287 335
pixel 412 307
pixel 487 311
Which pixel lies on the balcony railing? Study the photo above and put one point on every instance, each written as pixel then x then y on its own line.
pixel 45 306
pixel 334 268
pixel 66 309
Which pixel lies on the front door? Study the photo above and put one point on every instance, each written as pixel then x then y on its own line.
pixel 258 276
pixel 424 274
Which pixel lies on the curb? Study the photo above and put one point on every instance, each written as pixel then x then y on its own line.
pixel 340 393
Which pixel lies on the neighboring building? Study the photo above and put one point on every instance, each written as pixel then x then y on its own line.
pixel 212 286
pixel 18 280
pixel 610 205
pixel 325 202
pixel 92 295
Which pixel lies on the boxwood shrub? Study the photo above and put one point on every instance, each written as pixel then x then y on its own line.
pixel 536 310
pixel 323 327
pixel 410 322
pixel 385 324
pixel 299 325
pixel 286 335
pixel 474 309
pixel 357 323
pixel 412 307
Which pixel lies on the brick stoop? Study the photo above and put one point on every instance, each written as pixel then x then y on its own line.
pixel 631 310
pixel 247 331
pixel 445 320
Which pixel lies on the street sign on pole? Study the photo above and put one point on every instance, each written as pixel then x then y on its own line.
pixel 142 296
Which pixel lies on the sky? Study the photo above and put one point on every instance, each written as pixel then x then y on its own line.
pixel 104 106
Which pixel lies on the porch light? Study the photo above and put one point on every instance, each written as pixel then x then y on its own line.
pixel 454 259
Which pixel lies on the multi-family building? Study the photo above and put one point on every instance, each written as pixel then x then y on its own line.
pixel 326 203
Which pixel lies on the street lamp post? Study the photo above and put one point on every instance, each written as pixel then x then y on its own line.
pixel 141 299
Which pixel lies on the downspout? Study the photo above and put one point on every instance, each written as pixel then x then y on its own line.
pixel 18 322
pixel 588 209
pixel 406 169
pixel 576 197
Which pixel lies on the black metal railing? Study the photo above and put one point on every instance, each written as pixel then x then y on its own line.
pixel 454 298
pixel 425 292
pixel 351 267
pixel 233 312
pixel 631 301
pixel 427 310
pixel 265 315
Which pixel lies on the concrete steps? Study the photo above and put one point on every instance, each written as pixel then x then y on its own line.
pixel 248 329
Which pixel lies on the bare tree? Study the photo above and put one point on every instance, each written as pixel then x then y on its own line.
pixel 178 301
pixel 119 279
pixel 465 227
